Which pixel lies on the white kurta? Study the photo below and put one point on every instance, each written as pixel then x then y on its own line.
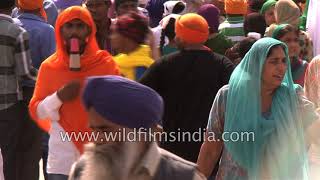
pixel 62 154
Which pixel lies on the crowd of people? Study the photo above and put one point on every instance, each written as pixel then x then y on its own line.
pixel 159 89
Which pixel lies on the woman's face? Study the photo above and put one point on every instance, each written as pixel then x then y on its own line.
pixel 269 16
pixel 292 41
pixel 274 68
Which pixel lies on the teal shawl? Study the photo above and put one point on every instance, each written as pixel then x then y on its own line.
pixel 279 147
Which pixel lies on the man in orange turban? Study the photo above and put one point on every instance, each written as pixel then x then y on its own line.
pixel 32 5
pixel 188 81
pixel 192 29
pixel 56 99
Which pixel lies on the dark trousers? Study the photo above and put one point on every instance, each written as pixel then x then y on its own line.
pixel 45 152
pixel 10 131
pixel 29 151
pixel 29 148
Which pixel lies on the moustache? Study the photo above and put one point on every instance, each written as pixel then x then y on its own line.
pixel 67 42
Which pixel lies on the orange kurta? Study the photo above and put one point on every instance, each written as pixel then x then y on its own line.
pixel 54 73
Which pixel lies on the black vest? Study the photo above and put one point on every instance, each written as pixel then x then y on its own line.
pixel 173 167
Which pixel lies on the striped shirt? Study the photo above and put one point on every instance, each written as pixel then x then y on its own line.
pixel 15 61
pixel 232 28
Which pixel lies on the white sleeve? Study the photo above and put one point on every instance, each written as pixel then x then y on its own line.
pixel 49 107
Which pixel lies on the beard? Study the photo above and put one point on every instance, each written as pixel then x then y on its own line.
pixel 103 162
pixel 109 161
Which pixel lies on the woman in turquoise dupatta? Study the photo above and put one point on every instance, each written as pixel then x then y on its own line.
pixel 261 99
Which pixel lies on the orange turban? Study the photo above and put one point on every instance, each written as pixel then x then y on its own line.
pixel 236 6
pixel 32 5
pixel 192 28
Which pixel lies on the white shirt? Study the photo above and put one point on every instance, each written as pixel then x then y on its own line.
pixel 62 154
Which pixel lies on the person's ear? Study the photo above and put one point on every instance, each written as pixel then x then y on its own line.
pixel 88 34
pixel 157 131
pixel 157 128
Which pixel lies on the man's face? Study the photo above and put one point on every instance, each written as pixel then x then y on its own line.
pixel 127 7
pixel 98 9
pixel 102 128
pixel 75 29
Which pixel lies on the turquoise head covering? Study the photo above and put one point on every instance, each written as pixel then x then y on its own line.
pixel 267 5
pixel 278 148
